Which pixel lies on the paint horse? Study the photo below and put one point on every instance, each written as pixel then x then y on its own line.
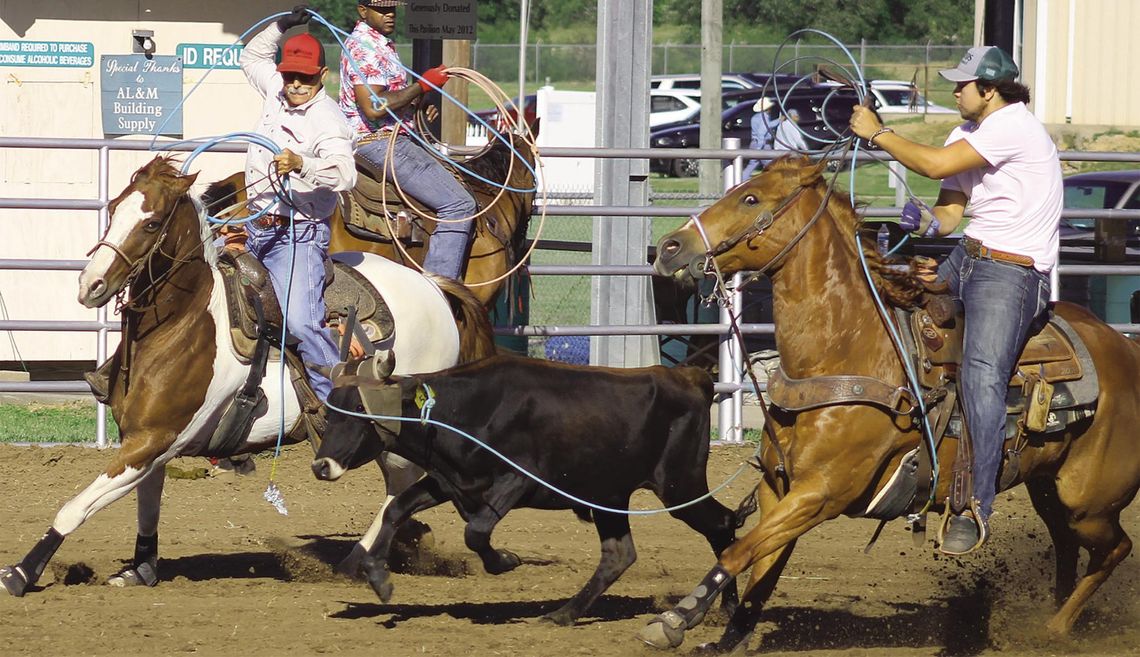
pixel 158 253
pixel 834 458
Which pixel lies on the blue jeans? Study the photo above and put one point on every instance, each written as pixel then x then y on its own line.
pixel 423 178
pixel 305 293
pixel 1003 304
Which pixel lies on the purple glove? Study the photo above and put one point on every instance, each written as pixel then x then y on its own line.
pixel 918 220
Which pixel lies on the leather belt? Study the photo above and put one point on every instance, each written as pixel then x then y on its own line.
pixel 975 249
pixel 267 221
pixel 382 133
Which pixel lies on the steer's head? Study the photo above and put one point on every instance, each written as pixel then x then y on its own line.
pixel 362 388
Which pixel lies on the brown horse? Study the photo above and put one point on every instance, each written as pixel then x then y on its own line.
pixel 177 371
pixel 830 460
pixel 498 239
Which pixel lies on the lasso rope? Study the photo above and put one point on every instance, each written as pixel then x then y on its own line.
pixel 273 493
pixel 849 144
pixel 425 419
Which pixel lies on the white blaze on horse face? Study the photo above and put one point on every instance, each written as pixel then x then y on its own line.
pixel 128 216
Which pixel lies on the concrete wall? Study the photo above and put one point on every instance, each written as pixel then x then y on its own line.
pixel 65 102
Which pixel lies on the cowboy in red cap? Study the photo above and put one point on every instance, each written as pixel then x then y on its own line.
pixel 291 239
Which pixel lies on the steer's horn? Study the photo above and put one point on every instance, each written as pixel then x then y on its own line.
pixel 382 363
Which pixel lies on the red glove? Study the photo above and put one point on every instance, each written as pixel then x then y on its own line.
pixel 435 76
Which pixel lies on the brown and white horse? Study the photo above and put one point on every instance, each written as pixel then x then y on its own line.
pixel 159 252
pixel 829 460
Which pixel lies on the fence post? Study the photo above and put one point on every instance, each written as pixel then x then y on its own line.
pixel 101 314
pixel 731 361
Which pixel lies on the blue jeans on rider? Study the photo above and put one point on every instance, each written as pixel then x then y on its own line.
pixel 1004 303
pixel 423 178
pixel 305 293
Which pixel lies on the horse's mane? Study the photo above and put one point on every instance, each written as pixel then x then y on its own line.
pixel 217 193
pixel 164 168
pixel 494 165
pixel 897 286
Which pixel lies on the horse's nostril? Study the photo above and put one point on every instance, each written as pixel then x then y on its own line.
pixel 670 246
pixel 97 286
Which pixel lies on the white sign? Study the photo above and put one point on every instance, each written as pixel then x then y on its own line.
pixel 442 19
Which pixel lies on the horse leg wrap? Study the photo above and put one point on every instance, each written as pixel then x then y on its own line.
pixel 144 568
pixel 17 579
pixel 146 550
pixel 667 630
pixel 694 606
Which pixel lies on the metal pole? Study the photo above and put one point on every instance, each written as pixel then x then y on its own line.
pixel 101 344
pixel 524 22
pixel 729 409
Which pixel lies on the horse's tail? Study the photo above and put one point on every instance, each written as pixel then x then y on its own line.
pixel 476 337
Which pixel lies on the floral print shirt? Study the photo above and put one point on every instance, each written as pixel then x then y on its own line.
pixel 377 63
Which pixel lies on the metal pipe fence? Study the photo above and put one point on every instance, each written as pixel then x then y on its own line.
pixel 732 157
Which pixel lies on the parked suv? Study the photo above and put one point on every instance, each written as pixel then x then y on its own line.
pixel 812 103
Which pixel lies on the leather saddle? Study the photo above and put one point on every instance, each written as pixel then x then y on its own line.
pixel 373 210
pixel 247 286
pixel 1054 374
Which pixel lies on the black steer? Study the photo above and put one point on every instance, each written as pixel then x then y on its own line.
pixel 597 433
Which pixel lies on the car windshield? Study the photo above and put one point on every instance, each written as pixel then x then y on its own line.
pixel 1092 195
pixel 901 97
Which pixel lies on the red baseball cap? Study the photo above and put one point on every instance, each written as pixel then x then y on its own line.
pixel 302 54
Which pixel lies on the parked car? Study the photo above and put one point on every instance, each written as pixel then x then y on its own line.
pixel 728 82
pixel 491 116
pixel 1119 190
pixel 812 104
pixel 901 97
pixel 673 106
pixel 1116 298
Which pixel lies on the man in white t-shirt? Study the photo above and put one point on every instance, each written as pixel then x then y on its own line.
pixel 1002 163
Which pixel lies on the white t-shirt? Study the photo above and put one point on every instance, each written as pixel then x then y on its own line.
pixel 1016 201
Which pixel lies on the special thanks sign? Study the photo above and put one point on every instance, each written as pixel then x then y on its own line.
pixel 141 95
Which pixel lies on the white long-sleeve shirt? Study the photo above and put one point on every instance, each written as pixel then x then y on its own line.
pixel 316 130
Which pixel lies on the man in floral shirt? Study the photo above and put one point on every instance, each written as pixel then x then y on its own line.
pixel 371 69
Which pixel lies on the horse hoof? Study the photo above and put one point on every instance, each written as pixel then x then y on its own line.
pixel 143 574
pixel 505 562
pixel 383 591
pixel 666 631
pixel 14 580
pixel 351 565
pixel 559 617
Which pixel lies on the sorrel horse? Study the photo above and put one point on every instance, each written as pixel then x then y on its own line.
pixel 789 224
pixel 499 236
pixel 158 252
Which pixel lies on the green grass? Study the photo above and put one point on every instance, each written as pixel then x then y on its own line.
pixel 72 422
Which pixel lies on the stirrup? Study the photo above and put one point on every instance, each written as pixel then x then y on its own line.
pixel 982 527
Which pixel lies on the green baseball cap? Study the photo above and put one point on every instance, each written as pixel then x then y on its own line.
pixel 986 63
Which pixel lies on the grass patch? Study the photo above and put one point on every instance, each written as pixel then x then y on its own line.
pixel 72 422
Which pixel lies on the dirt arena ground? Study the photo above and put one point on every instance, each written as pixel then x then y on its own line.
pixel 237 578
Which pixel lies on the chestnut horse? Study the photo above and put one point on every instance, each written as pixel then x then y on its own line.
pixel 158 252
pixel 788 223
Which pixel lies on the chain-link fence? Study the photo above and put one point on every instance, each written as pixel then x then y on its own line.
pixel 560 63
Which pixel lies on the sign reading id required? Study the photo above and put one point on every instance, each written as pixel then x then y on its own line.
pixel 210 55
pixel 442 19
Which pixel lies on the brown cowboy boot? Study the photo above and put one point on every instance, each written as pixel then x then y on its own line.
pixel 99 380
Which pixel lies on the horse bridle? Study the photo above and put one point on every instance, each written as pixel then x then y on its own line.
pixel 756 228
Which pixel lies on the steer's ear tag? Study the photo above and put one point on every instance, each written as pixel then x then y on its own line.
pixel 422 393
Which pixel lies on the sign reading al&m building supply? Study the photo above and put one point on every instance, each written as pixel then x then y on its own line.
pixel 141 96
